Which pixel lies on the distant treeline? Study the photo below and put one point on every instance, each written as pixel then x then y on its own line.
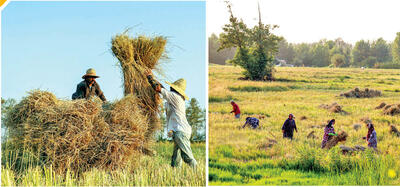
pixel 335 53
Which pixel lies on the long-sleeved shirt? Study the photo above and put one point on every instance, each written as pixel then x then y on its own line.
pixel 325 139
pixel 84 91
pixel 288 127
pixel 236 109
pixel 176 112
pixel 372 141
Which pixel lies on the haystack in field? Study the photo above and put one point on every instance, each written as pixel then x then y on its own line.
pixel 392 110
pixel 341 137
pixel 383 104
pixel 79 134
pixel 82 134
pixel 394 130
pixel 334 107
pixel 362 93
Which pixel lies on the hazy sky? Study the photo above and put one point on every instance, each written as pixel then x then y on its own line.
pixel 50 45
pixel 312 20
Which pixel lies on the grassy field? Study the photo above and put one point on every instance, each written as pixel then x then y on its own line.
pixel 152 171
pixel 244 156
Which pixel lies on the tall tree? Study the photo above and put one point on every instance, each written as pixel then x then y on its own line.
pixel 320 53
pixel 360 53
pixel 196 118
pixel 256 47
pixel 396 49
pixel 380 50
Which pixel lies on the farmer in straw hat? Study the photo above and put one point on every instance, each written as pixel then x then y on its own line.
pixel 178 126
pixel 88 87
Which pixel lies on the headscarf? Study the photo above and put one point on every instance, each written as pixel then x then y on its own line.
pixel 370 130
pixel 330 123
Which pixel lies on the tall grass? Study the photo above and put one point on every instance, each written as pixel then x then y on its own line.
pixel 152 171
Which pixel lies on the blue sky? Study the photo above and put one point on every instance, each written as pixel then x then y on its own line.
pixel 50 45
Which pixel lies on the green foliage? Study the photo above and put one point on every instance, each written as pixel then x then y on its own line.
pixel 196 118
pixel 381 50
pixel 320 55
pixel 259 89
pixel 387 65
pixel 213 99
pixel 256 47
pixel 396 49
pixel 338 60
pixel 360 53
pixel 218 56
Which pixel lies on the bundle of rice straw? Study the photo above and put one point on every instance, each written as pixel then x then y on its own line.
pixel 334 107
pixel 136 56
pixel 383 104
pixel 77 135
pixel 394 130
pixel 392 109
pixel 358 93
pixel 336 139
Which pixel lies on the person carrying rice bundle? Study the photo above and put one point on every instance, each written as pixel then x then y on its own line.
pixel 88 87
pixel 329 132
pixel 178 126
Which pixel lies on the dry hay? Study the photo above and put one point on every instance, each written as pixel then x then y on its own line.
pixel 392 110
pixel 82 134
pixel 356 127
pixel 362 93
pixel 79 134
pixel 268 144
pixel 336 139
pixel 334 107
pixel 136 56
pixel 381 105
pixel 303 117
pixel 311 135
pixel 394 130
pixel 366 120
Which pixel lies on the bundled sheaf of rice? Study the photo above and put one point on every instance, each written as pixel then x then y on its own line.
pixel 359 93
pixel 334 107
pixel 136 56
pixel 77 135
pixel 341 137
pixel 393 109
pixel 383 104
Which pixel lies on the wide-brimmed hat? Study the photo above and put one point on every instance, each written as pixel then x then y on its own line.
pixel 90 73
pixel 179 86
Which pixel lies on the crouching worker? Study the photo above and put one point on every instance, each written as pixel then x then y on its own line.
pixel 88 87
pixel 252 122
pixel 329 132
pixel 178 126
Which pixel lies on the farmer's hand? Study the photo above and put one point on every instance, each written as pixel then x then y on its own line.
pixel 283 131
pixel 148 72
pixel 170 133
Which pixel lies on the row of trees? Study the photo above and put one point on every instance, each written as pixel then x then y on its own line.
pixel 378 53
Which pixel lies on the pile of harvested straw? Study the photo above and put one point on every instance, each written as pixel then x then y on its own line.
pixel 334 107
pixel 392 109
pixel 81 134
pixel 336 139
pixel 358 93
pixel 77 135
pixel 394 130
